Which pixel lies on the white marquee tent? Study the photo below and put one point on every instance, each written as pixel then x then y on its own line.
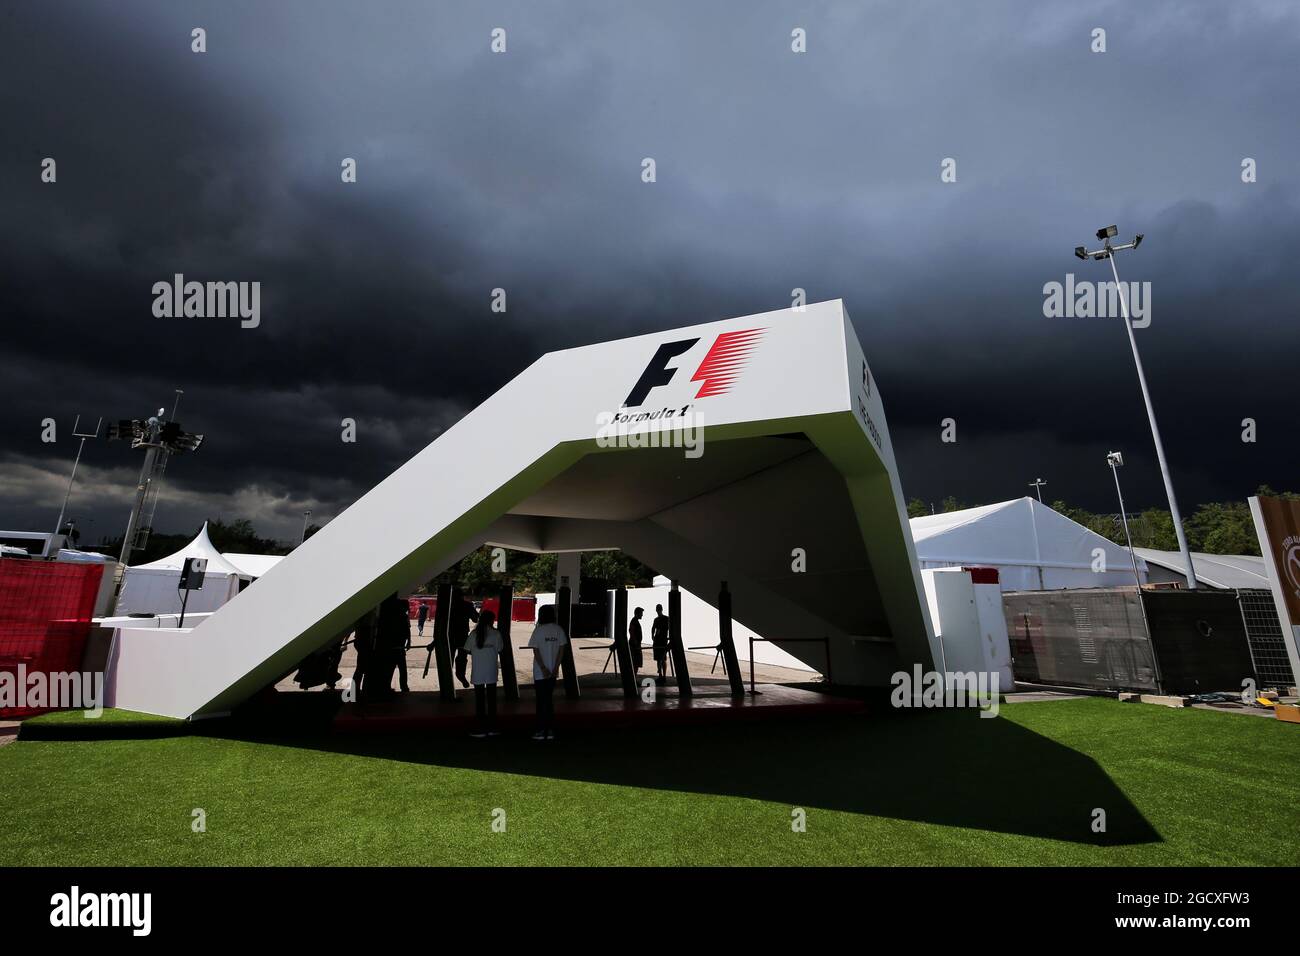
pixel 1033 547
pixel 1223 571
pixel 151 588
pixel 254 565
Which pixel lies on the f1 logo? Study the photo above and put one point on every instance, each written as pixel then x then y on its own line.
pixel 718 369
pixel 657 372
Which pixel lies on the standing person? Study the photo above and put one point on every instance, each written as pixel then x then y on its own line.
pixel 462 612
pixel 659 639
pixel 547 642
pixel 403 644
pixel 634 638
pixel 392 633
pixel 484 648
pixel 363 639
pixel 421 615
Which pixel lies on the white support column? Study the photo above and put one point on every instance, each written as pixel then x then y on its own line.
pixel 568 564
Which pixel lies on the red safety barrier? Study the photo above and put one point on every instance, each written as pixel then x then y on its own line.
pixel 413 605
pixel 983 575
pixel 521 608
pixel 45 612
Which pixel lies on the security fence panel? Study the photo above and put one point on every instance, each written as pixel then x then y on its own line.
pixel 1264 632
pixel 1199 639
pixel 1080 638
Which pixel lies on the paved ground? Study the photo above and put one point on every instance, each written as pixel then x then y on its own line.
pixel 591 655
pixel 8 731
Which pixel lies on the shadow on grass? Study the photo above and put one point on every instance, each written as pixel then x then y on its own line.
pixel 940 767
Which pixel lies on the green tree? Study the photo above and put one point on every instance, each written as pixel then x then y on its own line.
pixel 916 508
pixel 618 568
pixel 1154 528
pixel 537 574
pixel 240 537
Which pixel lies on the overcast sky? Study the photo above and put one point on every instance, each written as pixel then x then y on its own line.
pixel 522 170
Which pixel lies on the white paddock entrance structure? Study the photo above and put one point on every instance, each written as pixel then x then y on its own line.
pixel 770 468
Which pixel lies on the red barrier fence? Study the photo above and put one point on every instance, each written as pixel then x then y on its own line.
pixel 45 612
pixel 524 608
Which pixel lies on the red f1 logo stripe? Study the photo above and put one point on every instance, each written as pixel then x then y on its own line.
pixel 725 360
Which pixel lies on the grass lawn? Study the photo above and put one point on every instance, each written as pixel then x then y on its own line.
pixel 1178 787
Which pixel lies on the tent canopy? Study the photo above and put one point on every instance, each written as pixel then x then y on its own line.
pixel 254 565
pixel 1032 546
pixel 1225 571
pixel 200 547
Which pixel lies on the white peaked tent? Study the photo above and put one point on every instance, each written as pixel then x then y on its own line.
pixel 1222 571
pixel 1033 547
pixel 597 448
pixel 254 565
pixel 151 588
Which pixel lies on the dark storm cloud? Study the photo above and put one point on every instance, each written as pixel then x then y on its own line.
pixel 776 171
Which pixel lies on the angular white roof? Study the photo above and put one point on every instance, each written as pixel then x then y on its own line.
pixel 1017 532
pixel 595 448
pixel 1214 570
pixel 255 565
pixel 200 547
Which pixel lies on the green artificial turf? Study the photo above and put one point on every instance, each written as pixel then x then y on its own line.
pixel 75 725
pixel 1178 787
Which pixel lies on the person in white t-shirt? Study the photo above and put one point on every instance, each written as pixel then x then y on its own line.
pixel 547 642
pixel 484 649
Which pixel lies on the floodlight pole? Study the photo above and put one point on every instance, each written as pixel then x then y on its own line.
pixel 1037 485
pixel 1123 517
pixel 1114 460
pixel 58 526
pixel 1108 252
pixel 1155 431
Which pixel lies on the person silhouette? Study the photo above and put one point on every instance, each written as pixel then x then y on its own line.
pixel 634 638
pixel 462 612
pixel 659 643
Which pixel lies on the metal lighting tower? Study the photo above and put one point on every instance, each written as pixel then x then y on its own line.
pixel 58 526
pixel 1037 484
pixel 1107 251
pixel 306 516
pixel 1116 461
pixel 160 439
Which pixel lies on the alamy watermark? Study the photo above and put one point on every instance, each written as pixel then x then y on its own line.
pixel 662 428
pixel 977 689
pixel 208 300
pixel 1084 299
pixel 74 908
pixel 58 690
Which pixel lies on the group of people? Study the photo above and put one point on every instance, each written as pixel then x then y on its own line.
pixel 659 641
pixel 383 637
pixel 484 646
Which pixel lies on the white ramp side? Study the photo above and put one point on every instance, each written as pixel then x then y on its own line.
pixel 793 429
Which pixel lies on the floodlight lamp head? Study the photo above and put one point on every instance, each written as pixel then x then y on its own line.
pixel 1108 232
pixel 1115 459
pixel 1081 252
pixel 1137 240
